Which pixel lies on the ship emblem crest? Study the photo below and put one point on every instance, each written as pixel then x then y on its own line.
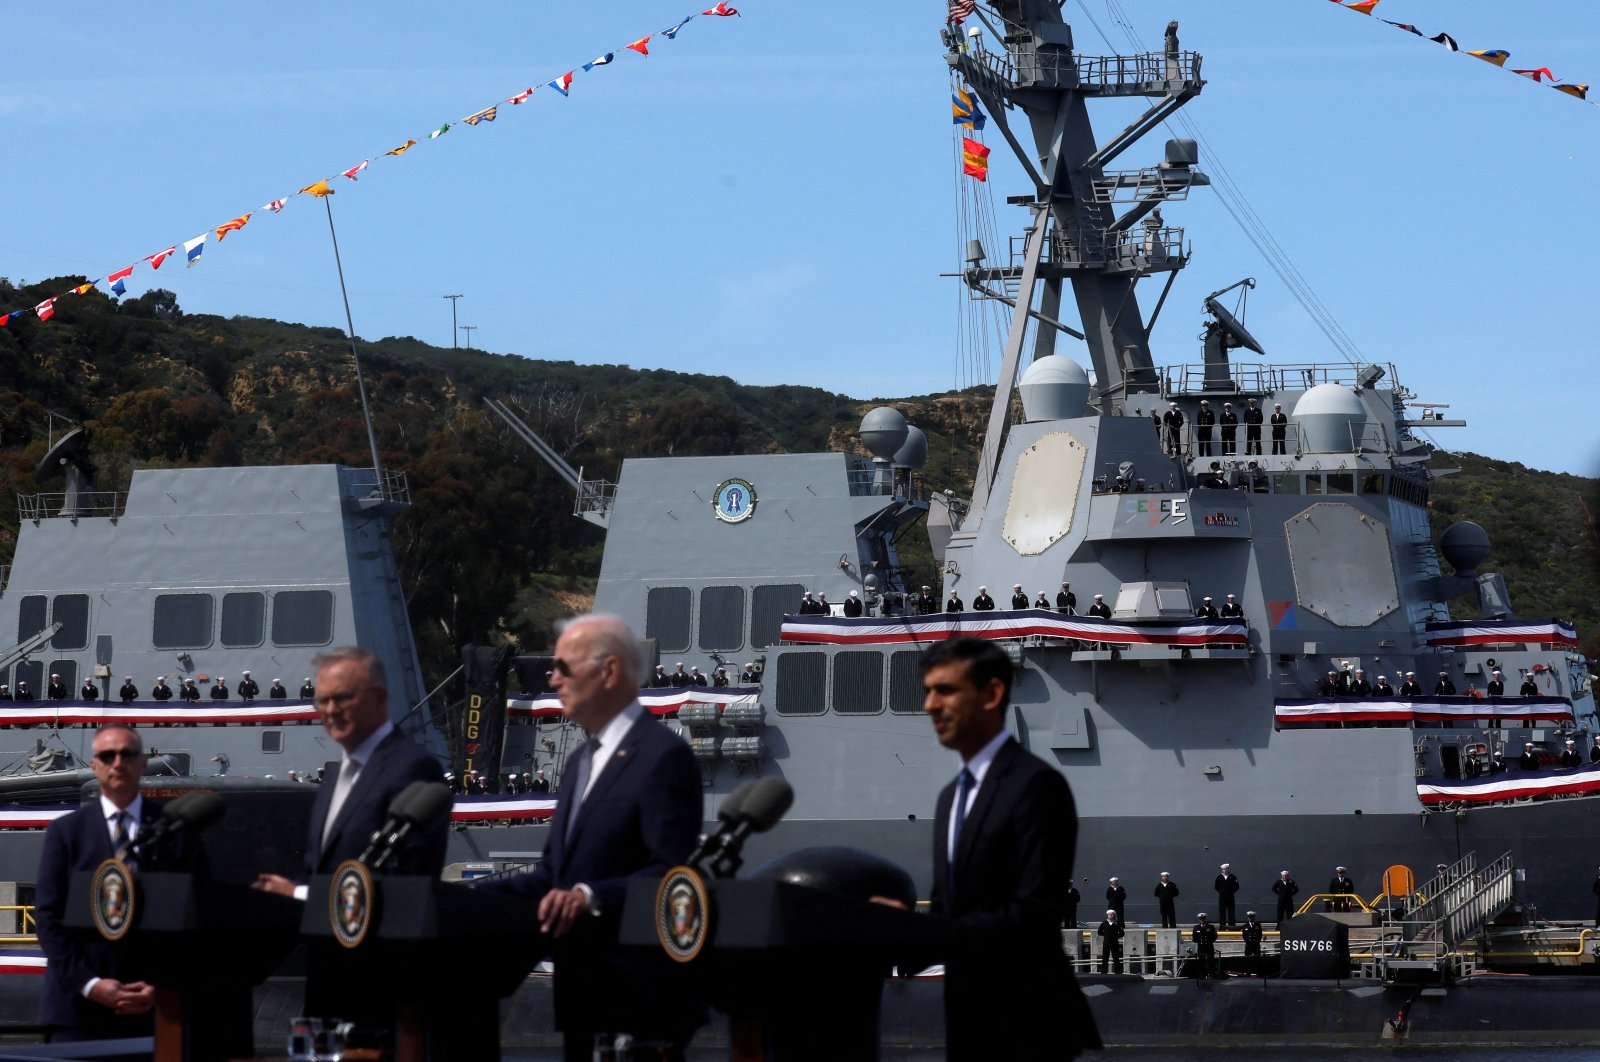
pixel 734 501
pixel 683 913
pixel 111 899
pixel 350 903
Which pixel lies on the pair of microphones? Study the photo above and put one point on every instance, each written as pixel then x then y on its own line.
pixel 754 807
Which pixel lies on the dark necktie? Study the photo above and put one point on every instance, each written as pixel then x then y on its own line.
pixel 581 767
pixel 963 790
pixel 119 835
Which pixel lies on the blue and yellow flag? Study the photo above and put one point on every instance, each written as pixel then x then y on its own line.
pixel 964 110
pixel 1497 56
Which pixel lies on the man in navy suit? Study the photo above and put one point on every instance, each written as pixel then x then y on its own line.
pixel 92 989
pixel 630 805
pixel 352 697
pixel 1004 835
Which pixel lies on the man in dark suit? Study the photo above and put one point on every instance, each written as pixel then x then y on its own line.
pixel 352 697
pixel 1004 835
pixel 91 988
pixel 630 805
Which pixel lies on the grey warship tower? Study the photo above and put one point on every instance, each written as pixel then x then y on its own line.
pixel 1258 581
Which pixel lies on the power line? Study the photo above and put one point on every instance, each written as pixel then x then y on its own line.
pixel 453 327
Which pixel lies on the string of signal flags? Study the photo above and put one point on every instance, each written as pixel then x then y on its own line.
pixel 1494 56
pixel 117 282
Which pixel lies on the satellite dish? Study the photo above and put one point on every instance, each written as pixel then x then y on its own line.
pixel 1238 335
pixel 71 451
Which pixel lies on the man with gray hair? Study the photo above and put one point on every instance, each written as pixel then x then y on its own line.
pixel 629 805
pixel 352 697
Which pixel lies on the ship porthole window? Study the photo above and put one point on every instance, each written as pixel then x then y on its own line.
pixel 302 617
pixel 72 612
pixel 182 621
pixel 244 618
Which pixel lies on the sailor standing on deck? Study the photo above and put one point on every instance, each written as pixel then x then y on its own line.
pixel 1411 687
pixel 1116 896
pixel 90 691
pixel 1530 688
pixel 1252 428
pixel 129 692
pixel 1019 600
pixel 1172 420
pixel 1111 932
pixel 1230 429
pixel 248 688
pixel 983 602
pixel 1067 601
pixel 1202 428
pixel 1570 756
pixel 1286 889
pixel 852 605
pixel 954 604
pixel 1204 936
pixel 1280 429
pixel 1167 893
pixel 161 691
pixel 1342 888
pixel 1227 886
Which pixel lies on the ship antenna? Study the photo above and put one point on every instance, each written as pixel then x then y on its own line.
pixel 350 330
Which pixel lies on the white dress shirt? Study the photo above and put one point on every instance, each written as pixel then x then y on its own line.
pixel 979 767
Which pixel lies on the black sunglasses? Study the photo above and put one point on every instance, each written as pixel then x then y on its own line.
pixel 109 756
pixel 564 669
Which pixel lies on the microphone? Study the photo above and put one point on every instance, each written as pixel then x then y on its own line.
pixel 420 806
pixel 190 813
pixel 730 814
pixel 767 802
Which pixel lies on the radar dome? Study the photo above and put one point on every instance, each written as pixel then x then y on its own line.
pixel 883 431
pixel 1054 388
pixel 1464 545
pixel 1329 418
pixel 913 453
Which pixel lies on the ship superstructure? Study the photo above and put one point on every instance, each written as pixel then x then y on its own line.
pixel 1188 741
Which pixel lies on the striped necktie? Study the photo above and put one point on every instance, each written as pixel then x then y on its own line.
pixel 119 835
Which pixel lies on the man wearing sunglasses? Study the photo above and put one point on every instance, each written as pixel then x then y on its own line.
pixel 630 805
pixel 92 989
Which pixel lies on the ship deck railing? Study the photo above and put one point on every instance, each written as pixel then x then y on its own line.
pixel 1148 73
pixel 389 484
pixel 100 503
pixel 1247 379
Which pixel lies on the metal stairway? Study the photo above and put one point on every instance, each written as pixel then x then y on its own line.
pixel 1445 911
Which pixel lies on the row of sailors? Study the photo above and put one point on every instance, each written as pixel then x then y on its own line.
pixel 471 783
pixel 1354 684
pixel 1476 765
pixel 187 690
pixel 1066 603
pixel 680 678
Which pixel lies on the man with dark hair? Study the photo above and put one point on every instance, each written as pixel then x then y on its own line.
pixel 1004 835
pixel 92 989
pixel 630 806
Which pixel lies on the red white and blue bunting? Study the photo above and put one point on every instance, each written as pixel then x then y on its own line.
pixel 655 701
pixel 1498 632
pixel 61 713
pixel 1567 781
pixel 1314 710
pixel 464 809
pixel 1018 623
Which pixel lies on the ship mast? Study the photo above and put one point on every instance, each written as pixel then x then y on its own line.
pixel 1077 236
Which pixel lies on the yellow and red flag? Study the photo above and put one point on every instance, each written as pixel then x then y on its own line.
pixel 319 189
pixel 232 226
pixel 974 159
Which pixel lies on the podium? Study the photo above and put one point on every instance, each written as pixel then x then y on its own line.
pixel 203 945
pixel 430 960
pixel 799 970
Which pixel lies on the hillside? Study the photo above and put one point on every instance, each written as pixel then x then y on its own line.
pixel 160 387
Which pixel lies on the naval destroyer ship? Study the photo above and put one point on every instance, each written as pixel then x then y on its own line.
pixel 1190 737
pixel 1189 740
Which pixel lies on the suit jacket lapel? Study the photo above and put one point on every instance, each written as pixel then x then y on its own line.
pixel 373 768
pixel 993 779
pixel 615 765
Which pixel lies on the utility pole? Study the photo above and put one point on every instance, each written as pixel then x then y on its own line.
pixel 452 299
pixel 469 329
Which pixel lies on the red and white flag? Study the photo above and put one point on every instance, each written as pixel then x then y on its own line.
pixel 721 9
pixel 960 9
pixel 45 309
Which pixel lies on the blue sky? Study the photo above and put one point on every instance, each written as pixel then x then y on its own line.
pixel 772 197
